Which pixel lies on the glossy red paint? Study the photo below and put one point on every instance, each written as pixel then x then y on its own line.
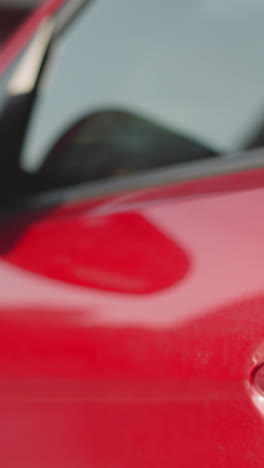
pixel 97 371
pixel 10 19
pixel 101 378
pixel 105 252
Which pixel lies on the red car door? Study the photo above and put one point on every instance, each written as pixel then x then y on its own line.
pixel 131 316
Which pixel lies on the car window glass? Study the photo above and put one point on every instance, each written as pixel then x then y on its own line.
pixel 194 65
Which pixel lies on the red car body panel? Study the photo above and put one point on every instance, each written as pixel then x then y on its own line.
pixel 131 326
pixel 21 37
pixel 10 19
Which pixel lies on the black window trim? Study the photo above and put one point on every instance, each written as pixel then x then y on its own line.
pixel 192 171
pixel 152 179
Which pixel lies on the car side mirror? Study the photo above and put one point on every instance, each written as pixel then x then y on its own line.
pixel 113 143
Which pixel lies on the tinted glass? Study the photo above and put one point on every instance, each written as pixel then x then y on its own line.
pixel 194 66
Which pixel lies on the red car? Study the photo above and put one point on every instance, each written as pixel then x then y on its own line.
pixel 132 236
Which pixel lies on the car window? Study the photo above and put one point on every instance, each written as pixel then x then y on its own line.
pixel 194 66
